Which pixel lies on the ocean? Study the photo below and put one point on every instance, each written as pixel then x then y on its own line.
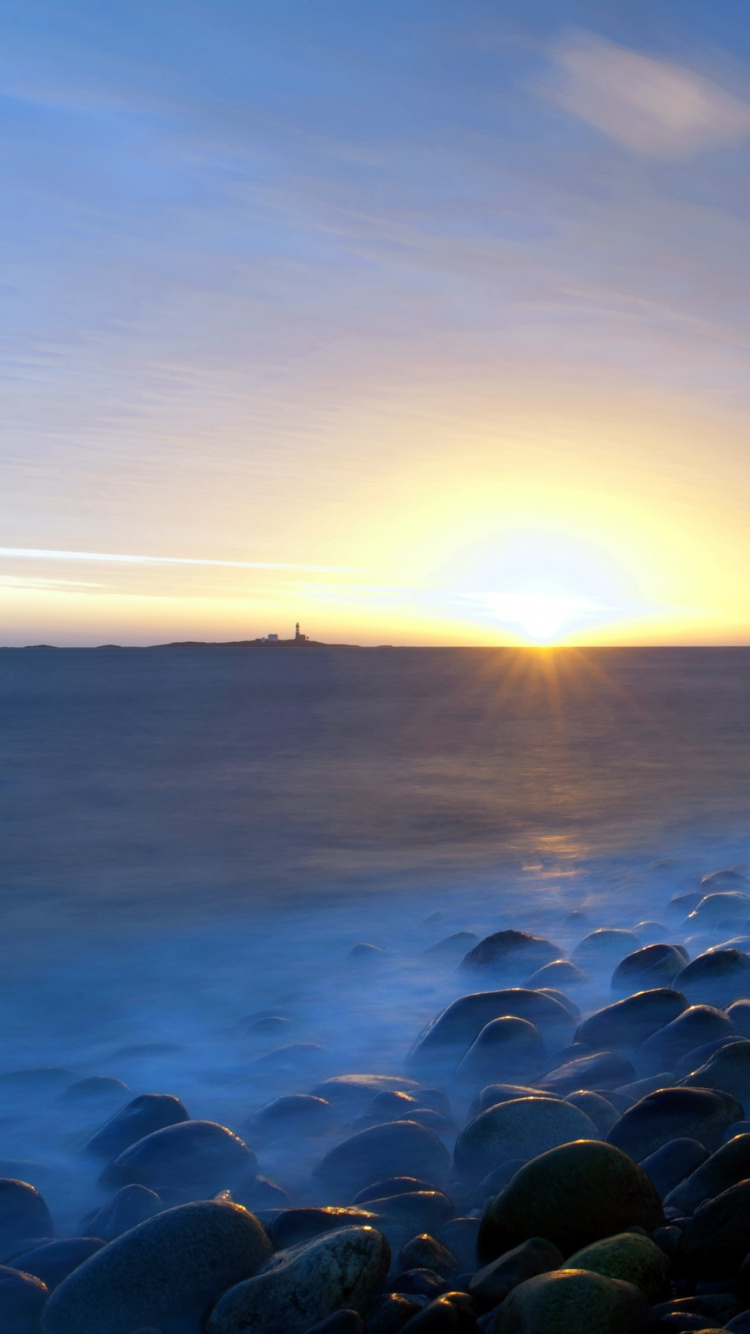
pixel 192 836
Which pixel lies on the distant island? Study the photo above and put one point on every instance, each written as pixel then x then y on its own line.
pixel 298 640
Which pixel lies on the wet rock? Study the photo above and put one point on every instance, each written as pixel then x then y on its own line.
pixel 420 1283
pixel 388 1186
pixel 728 1069
pixel 564 1000
pixel 520 1129
pixel 455 946
pixel 573 1300
pixel 498 1178
pixel 149 1112
pixel 640 1088
pixel 513 953
pixel 672 1163
pixel 269 1026
pixel 739 1016
pixel 649 967
pixel 129 1207
pixel 392 1314
pixel 716 1239
pixel 493 1094
pixel 559 973
pixel 717 977
pixel 724 906
pixel 625 1025
pixel 572 1195
pixel 398 1147
pixel 596 1107
pixel 292 1058
pixel 491 1285
pixel 402 1216
pixel 628 1256
pixel 447 1037
pixel 601 1070
pixel 728 1165
pixel 298 1115
pixel 351 1095
pixel 695 1026
pixel 390 1105
pixel 713 1307
pixel 170 1267
pixel 292 1227
pixel 604 947
pixel 505 1046
pixel 306 1284
pixel 460 1237
pixel 724 879
pixel 445 1315
pixel 426 1252
pixel 52 1263
pixel 427 1116
pixel 22 1301
pixel 693 1060
pixel 23 1215
pixel 682 904
pixel 96 1089
pixel 197 1156
pixel 674 1113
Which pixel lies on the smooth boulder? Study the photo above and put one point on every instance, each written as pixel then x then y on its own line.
pixel 717 977
pixel 728 1165
pixel 200 1157
pixel 505 1047
pixel 695 1026
pixel 728 1069
pixel 22 1301
pixel 445 1039
pixel 513 953
pixel 491 1285
pixel 571 1301
pixel 141 1116
pixel 625 1024
pixel 629 1256
pixel 600 1070
pixel 716 1239
pixel 23 1215
pixel 401 1148
pixel 649 967
pixel 518 1130
pixel 674 1113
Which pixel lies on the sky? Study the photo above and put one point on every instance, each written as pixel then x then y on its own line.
pixel 417 322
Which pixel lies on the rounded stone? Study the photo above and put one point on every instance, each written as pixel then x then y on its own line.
pixel 596 1107
pixel 674 1113
pixel 716 1239
pixel 601 1070
pixel 299 1115
pixel 696 1025
pixel 505 1046
pixel 728 1069
pixel 96 1089
pixel 626 1024
pixel 22 1301
pixel 491 1285
pixel 728 1165
pixel 572 1195
pixel 559 973
pixel 127 1208
pixel 425 1252
pixel 673 1163
pixel 521 1129
pixel 513 953
pixel 717 977
pixel 401 1148
pixel 199 1156
pixel 646 968
pixel 351 1095
pixel 52 1263
pixel 141 1116
pixel 306 1284
pixel 629 1256
pixel 725 905
pixel 455 946
pixel 453 1031
pixel 293 1227
pixel 23 1215
pixel 573 1300
pixel 172 1266
pixel 602 948
pixel 389 1186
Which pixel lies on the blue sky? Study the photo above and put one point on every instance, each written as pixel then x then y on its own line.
pixel 271 271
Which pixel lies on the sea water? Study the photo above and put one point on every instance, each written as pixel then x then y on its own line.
pixel 193 836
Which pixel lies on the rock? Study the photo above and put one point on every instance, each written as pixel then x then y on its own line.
pixel 513 953
pixel 738 1013
pixel 728 1165
pixel 652 966
pixel 389 1186
pixel 292 1058
pixel 716 1239
pixel 390 1105
pixel 491 1285
pixel 728 1069
pixel 640 1088
pixel 420 1283
pixel 426 1252
pixel 413 1212
pixel 624 1025
pixel 269 1025
pixel 717 977
pixel 392 1314
pixel 718 1307
pixel 572 1195
pixel 603 948
pixel 129 1207
pixel 564 1000
pixel 460 1237
pixel 197 1156
pixel 672 1163
pixel 52 1263
pixel 292 1227
pixel 682 904
pixel 493 1094
pixel 149 1112
pixel 297 1115
pixel 693 1060
pixel 596 1107
pixel 696 1025
pixel 261 1194
pixel 506 1046
pixel 601 1070
pixel 455 946
pixel 520 1129
pixel 351 1095
pixel 447 1037
pixel 629 1256
pixel 445 1315
pixel 559 973
pixel 96 1089
pixel 498 1178
pixel 341 1322
pixel 398 1147
pixel 571 1301
pixel 172 1266
pixel 306 1284
pixel 23 1215
pixel 22 1301
pixel 726 879
pixel 724 906
pixel 674 1113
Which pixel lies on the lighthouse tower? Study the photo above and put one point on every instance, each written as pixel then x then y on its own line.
pixel 298 637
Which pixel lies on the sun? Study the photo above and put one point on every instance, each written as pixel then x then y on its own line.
pixel 542 616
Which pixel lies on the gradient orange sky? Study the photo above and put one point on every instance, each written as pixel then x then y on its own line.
pixel 426 330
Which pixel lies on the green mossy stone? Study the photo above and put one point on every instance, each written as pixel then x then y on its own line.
pixel 572 1195
pixel 573 1301
pixel 629 1256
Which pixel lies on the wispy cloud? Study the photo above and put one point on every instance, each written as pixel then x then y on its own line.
pixel 652 107
pixel 38 553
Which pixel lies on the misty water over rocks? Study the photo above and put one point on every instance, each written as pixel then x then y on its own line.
pixel 230 876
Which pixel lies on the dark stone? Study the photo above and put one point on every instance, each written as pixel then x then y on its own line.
pixel 297 1115
pixel 149 1112
pixel 716 978
pixel 53 1262
pixel 694 1027
pixel 739 1015
pixel 725 906
pixel 630 1256
pixel 672 1163
pixel 453 1031
pixel 129 1207
pixel 602 1070
pixel 571 1301
pixel 493 1094
pixel 456 945
pixel 390 1105
pixel 674 1113
pixel 604 947
pixel 379 1190
pixel 559 973
pixel 505 1046
pixel 728 1070
pixel 341 1322
pixel 23 1215
pixel 22 1301
pixel 491 1285
pixel 693 1060
pixel 418 1211
pixel 426 1252
pixel 651 966
pixel 460 1236
pixel 626 1024
pixel 392 1314
pixel 572 1195
pixel 520 1129
pixel 198 1156
pixel 351 1095
pixel 728 1165
pixel 511 952
pixel 421 1283
pixel 261 1194
pixel 682 904
pixel 716 1239
pixel 498 1178
pixel 172 1266
pixel 399 1147
pixel 596 1107
pixel 291 1227
pixel 443 1316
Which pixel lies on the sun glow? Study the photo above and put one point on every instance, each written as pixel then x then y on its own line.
pixel 542 617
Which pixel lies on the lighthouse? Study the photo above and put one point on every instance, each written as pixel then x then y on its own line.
pixel 299 638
